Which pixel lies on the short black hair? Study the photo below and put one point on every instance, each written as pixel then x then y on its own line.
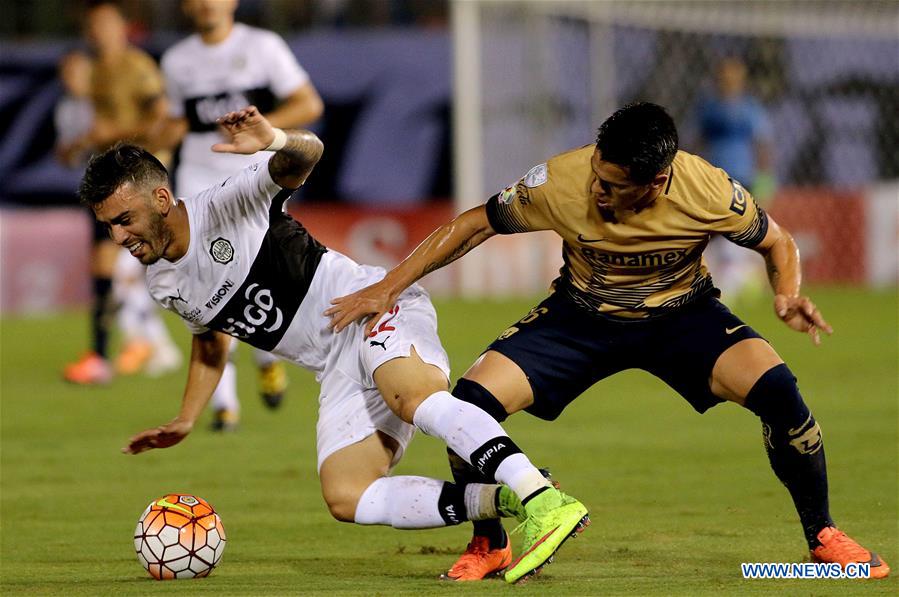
pixel 640 137
pixel 120 164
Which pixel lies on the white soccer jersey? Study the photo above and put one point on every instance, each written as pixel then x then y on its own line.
pixel 255 273
pixel 203 82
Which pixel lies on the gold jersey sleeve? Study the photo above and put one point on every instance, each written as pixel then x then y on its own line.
pixel 633 264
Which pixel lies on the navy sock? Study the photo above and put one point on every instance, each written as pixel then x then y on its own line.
pixel 794 445
pixel 101 315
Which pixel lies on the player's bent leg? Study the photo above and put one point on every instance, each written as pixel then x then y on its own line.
pixel 752 374
pixel 348 472
pixel 473 434
pixel 489 542
pixel 356 488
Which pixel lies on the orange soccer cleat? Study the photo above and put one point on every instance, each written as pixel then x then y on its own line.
pixel 837 546
pixel 134 357
pixel 91 369
pixel 479 561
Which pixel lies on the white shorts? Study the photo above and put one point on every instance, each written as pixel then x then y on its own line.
pixel 350 406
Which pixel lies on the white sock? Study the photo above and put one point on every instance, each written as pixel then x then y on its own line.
pixel 474 435
pixel 480 501
pixel 409 502
pixel 225 395
pixel 402 502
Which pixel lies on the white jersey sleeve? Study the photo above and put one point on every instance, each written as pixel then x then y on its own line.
pixel 247 195
pixel 284 72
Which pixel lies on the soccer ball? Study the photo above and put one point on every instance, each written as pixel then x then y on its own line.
pixel 179 536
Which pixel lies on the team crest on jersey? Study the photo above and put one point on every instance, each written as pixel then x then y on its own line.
pixel 221 250
pixel 506 195
pixel 536 176
pixel 738 200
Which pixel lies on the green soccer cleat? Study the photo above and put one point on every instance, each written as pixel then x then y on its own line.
pixel 552 517
pixel 509 505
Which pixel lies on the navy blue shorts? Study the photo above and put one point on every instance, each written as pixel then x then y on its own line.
pixel 564 349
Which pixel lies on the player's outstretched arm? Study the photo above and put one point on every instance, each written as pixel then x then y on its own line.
pixel 296 152
pixel 785 275
pixel 208 355
pixel 443 246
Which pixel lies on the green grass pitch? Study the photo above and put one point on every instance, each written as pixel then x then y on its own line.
pixel 678 500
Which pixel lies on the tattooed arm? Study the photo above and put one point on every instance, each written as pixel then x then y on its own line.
pixel 782 262
pixel 443 246
pixel 249 132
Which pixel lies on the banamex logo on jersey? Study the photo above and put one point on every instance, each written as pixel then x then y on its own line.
pixel 221 250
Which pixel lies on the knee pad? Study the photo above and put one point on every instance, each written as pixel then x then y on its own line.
pixel 476 394
pixel 776 394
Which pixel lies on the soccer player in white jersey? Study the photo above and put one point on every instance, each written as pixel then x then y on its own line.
pixel 222 67
pixel 230 262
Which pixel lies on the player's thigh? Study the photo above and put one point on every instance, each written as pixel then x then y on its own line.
pixel 405 382
pixel 504 379
pixel 740 366
pixel 347 473
pixel 547 358
pixel 404 356
pixel 684 349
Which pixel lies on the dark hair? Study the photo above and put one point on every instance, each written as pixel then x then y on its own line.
pixel 640 137
pixel 120 164
pixel 90 5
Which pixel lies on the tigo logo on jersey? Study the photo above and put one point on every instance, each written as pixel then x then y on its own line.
pixel 221 250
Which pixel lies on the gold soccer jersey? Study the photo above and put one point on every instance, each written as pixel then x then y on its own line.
pixel 123 91
pixel 633 264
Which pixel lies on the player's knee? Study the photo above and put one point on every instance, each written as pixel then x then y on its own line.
pixel 476 394
pixel 342 501
pixel 775 393
pixel 405 401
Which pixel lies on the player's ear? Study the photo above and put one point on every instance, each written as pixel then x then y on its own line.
pixel 163 199
pixel 661 179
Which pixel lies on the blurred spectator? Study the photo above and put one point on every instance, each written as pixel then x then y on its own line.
pixel 736 136
pixel 73 116
pixel 128 103
pixel 227 66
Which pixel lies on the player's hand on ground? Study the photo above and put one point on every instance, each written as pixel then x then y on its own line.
pixel 801 314
pixel 372 302
pixel 158 437
pixel 247 132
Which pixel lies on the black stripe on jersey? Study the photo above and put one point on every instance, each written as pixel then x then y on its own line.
pixel 202 111
pixel 262 309
pixel 502 219
pixel 753 235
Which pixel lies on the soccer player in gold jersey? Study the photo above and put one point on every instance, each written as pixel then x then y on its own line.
pixel 126 93
pixel 635 215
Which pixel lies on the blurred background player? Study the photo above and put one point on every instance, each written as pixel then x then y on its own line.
pixel 222 67
pixel 126 94
pixel 735 135
pixel 73 116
